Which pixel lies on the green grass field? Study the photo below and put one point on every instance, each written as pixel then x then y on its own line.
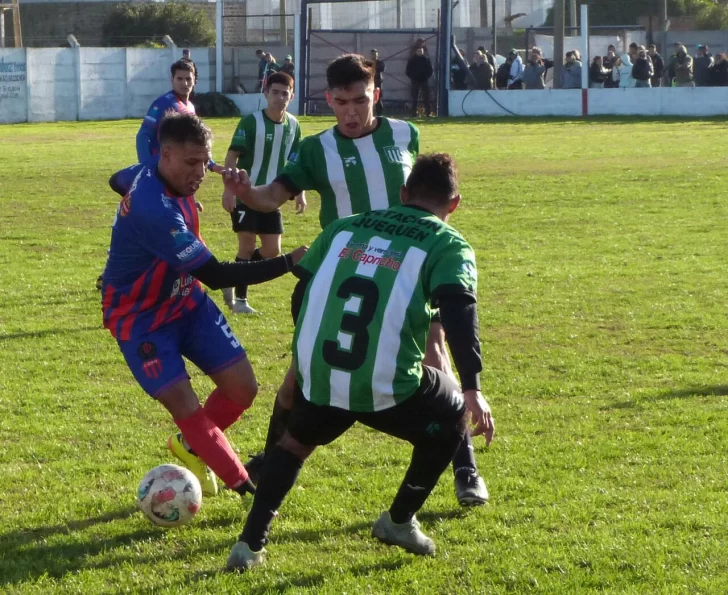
pixel 601 247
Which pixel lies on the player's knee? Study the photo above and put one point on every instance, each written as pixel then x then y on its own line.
pixel 244 392
pixel 285 394
pixel 300 451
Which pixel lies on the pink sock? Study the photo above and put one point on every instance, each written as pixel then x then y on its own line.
pixel 222 411
pixel 210 444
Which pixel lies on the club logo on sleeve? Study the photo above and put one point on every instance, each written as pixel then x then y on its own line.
pixel 125 205
pixel 147 350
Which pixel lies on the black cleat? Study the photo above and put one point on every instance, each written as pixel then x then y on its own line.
pixel 254 466
pixel 470 488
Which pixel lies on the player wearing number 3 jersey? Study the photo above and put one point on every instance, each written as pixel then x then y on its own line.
pixel 357 166
pixel 363 305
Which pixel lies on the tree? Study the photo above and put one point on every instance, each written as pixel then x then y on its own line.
pixel 626 12
pixel 133 24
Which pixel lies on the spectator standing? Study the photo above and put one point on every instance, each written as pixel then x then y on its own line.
pixel 459 71
pixel 288 66
pixel 683 68
pixel 419 71
pixel 658 65
pixel 379 67
pixel 642 70
pixel 503 74
pixel 271 66
pixel 571 72
pixel 622 72
pixel 262 63
pixel 609 62
pixel 489 58
pixel 597 73
pixel 534 73
pixel 482 72
pixel 719 72
pixel 702 66
pixel 515 77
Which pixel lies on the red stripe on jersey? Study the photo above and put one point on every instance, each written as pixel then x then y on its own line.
pixel 159 270
pixel 126 304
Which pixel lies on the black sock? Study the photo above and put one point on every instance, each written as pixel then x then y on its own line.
pixel 276 426
pixel 256 255
pixel 277 477
pixel 464 458
pixel 241 291
pixel 429 460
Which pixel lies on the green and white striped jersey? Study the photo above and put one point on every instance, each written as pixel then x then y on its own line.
pixel 362 330
pixel 265 146
pixel 355 175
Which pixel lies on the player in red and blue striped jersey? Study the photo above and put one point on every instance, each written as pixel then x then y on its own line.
pixel 156 309
pixel 176 101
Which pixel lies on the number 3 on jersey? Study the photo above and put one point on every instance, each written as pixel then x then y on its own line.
pixel 349 352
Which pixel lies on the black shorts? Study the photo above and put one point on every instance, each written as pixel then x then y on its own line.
pixel 435 411
pixel 246 219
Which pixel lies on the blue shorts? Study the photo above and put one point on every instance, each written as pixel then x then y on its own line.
pixel 203 336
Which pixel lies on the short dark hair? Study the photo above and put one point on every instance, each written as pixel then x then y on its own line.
pixel 184 128
pixel 349 69
pixel 280 78
pixel 183 64
pixel 434 178
pixel 259 52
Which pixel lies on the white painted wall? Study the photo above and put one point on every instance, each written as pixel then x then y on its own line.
pixel 663 101
pixel 47 85
pixel 13 87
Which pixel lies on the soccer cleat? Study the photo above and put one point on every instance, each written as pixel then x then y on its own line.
pixel 228 296
pixel 254 466
pixel 470 488
pixel 242 307
pixel 207 478
pixel 242 558
pixel 406 535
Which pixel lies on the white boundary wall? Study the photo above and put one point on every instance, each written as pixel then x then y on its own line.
pixel 662 101
pixel 47 85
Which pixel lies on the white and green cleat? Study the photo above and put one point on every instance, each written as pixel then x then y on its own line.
pixel 406 535
pixel 242 558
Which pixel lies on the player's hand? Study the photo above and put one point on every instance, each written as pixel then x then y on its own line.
pixel 228 201
pixel 237 181
pixel 301 203
pixel 481 415
pixel 200 206
pixel 298 254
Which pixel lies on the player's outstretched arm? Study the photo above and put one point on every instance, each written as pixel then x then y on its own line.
pixel 266 198
pixel 459 315
pixel 217 275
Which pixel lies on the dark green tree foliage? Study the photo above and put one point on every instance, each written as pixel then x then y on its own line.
pixel 626 12
pixel 132 24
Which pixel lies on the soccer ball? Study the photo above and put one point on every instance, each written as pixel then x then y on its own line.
pixel 169 495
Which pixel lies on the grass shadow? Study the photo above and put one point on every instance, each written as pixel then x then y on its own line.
pixel 49 332
pixel 720 390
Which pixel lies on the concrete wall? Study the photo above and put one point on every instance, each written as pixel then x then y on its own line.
pixel 667 101
pixel 51 84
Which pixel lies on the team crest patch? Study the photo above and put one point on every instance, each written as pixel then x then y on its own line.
pixel 147 350
pixel 125 206
pixel 394 154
